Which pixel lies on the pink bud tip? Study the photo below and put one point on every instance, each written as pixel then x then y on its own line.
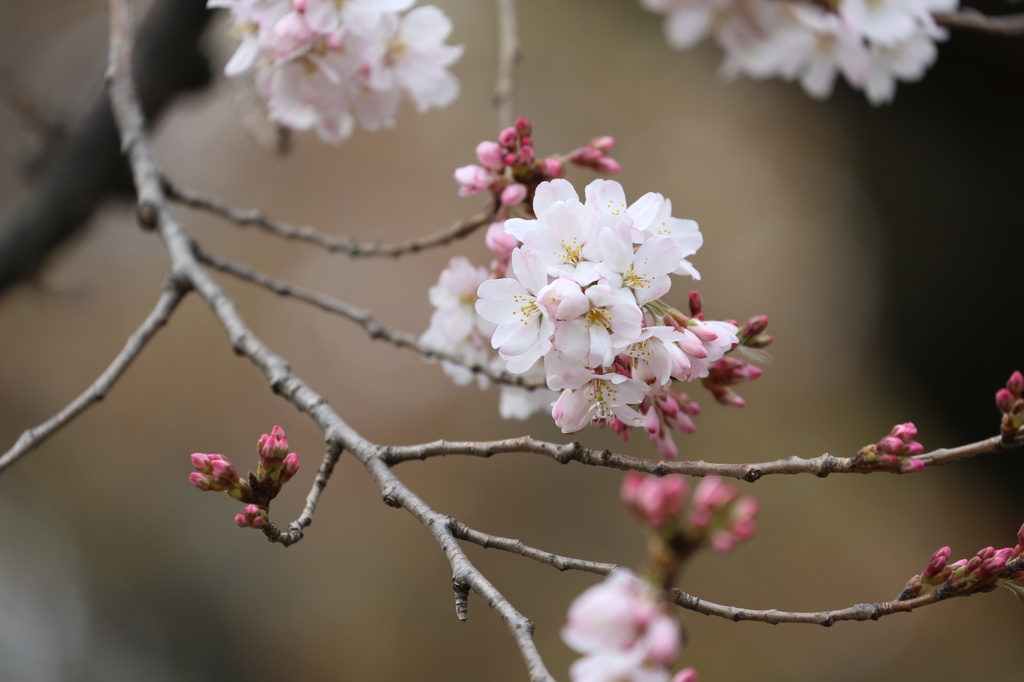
pixel 604 144
pixel 755 326
pixel 552 167
pixel 510 159
pixel 513 194
pixel 523 126
pixel 242 520
pixel 1004 400
pixel 490 155
pixel 889 445
pixel 472 180
pixel 685 675
pixel 696 306
pixel 299 5
pixel 904 431
pixel 909 466
pixel 630 485
pixel 507 138
pixel 527 155
pixel 200 481
pixel 607 165
pixel 201 462
pixel 1016 384
pixel 912 448
pixel 289 467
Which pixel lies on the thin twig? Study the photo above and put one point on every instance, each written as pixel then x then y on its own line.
pixel 361 317
pixel 174 291
pixel 339 435
pixel 973 20
pixel 562 563
pixel 824 618
pixel 574 452
pixel 295 528
pixel 311 235
pixel 509 56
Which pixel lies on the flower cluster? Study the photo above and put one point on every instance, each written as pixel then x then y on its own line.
pixel 873 43
pixel 623 632
pixel 1010 403
pixel 276 467
pixel 986 571
pixel 896 450
pixel 509 168
pixel 715 515
pixel 323 64
pixel 573 299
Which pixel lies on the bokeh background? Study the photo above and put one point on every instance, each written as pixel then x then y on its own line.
pixel 854 229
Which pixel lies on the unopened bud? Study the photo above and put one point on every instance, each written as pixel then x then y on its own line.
pixel 759 341
pixel 289 467
pixel 201 481
pixel 1016 384
pixel 604 144
pixel 890 445
pixel 252 517
pixel 696 304
pixel 507 138
pixel 490 155
pixel 523 126
pixel 513 194
pixel 904 431
pixel 909 466
pixel 607 165
pixel 912 448
pixel 299 5
pixel 526 155
pixel 552 167
pixel 1004 400
pixel 937 563
pixel 755 326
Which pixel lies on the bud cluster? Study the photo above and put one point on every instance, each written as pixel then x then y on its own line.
pixel 276 467
pixel 1010 403
pixel 986 571
pixel 896 451
pixel 510 169
pixel 715 514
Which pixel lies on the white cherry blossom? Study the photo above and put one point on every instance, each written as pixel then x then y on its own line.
pixel 599 396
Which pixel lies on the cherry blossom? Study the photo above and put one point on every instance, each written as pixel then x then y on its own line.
pixel 622 631
pixel 325 64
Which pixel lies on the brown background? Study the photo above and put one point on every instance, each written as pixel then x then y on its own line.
pixel 114 568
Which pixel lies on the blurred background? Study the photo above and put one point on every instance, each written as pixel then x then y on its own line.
pixel 882 243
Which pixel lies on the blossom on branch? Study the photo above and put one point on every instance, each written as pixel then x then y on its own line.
pixel 323 64
pixel 872 43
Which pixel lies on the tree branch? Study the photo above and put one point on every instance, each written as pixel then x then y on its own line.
pixel 153 208
pixel 85 165
pixel 819 466
pixel 347 245
pixel 973 20
pixel 509 55
pixel 174 291
pixel 361 317
pixel 562 563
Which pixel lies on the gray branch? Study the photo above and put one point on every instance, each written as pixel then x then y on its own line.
pixel 174 291
pixel 574 452
pixel 347 245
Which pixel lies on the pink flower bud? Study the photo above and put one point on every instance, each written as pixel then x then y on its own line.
pixel 1004 400
pixel 552 167
pixel 890 445
pixel 666 445
pixel 500 242
pixel 755 326
pixel 200 481
pixel 251 517
pixel 631 483
pixel 702 330
pixel 652 423
pixel 513 194
pixel 1016 384
pixel 604 144
pixel 507 138
pixel 1020 537
pixel 680 422
pixel 607 165
pixel 663 638
pixel 912 448
pixel 289 467
pixel 624 430
pixel 201 462
pixel 656 500
pixel 909 466
pixel 904 431
pixel 526 155
pixel 299 5
pixel 523 126
pixel 472 180
pixel 696 306
pixel 490 155
pixel 686 675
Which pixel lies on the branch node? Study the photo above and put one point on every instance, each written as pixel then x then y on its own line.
pixel 146 215
pixel 461 589
pixel 389 498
